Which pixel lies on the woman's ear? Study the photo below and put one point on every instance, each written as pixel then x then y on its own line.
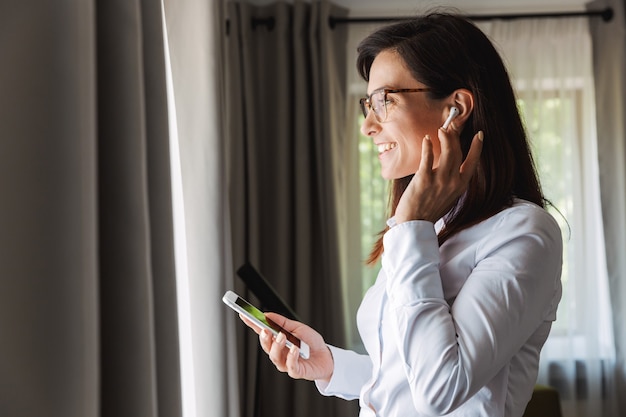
pixel 463 100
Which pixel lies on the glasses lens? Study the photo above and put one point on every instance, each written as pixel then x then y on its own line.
pixel 377 101
pixel 365 106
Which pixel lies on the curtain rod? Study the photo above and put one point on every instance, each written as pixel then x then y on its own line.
pixel 606 15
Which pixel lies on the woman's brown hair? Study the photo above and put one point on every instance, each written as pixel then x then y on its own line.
pixel 446 52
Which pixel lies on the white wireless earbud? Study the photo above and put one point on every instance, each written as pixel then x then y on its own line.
pixel 453 113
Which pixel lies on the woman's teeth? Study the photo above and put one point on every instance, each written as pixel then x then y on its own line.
pixel 383 147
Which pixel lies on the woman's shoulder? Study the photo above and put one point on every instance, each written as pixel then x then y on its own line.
pixel 523 217
pixel 530 211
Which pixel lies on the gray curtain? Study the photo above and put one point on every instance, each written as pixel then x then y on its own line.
pixel 88 321
pixel 286 90
pixel 609 43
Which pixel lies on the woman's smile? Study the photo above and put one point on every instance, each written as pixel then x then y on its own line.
pixel 386 147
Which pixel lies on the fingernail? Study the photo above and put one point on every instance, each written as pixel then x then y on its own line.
pixel 427 137
pixel 280 338
pixel 293 350
pixel 481 135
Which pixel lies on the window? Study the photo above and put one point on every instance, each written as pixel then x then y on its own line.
pixel 373 200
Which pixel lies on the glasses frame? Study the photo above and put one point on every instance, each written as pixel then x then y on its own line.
pixel 366 104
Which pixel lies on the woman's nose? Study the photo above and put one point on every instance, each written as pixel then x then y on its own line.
pixel 370 125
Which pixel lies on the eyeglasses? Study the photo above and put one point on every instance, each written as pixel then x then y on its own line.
pixel 377 101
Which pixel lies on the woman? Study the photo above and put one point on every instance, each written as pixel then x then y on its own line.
pixel 471 261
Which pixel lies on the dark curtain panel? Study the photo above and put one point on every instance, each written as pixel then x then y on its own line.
pixel 88 320
pixel 286 105
pixel 139 337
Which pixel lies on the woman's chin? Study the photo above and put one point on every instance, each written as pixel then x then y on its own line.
pixel 394 175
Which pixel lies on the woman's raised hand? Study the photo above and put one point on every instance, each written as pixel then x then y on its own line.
pixel 433 190
pixel 319 365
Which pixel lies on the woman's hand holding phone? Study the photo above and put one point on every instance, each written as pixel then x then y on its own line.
pixel 319 365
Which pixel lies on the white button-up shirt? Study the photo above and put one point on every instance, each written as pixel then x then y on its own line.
pixel 455 330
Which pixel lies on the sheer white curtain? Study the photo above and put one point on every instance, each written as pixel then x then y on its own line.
pixel 550 63
pixel 195 30
pixel 609 49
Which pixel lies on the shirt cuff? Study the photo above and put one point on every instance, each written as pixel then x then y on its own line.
pixel 351 371
pixel 411 263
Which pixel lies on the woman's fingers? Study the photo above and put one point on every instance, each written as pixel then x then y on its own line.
pixel 266 339
pixel 433 190
pixel 451 155
pixel 294 369
pixel 472 159
pixel 426 163
pixel 457 171
pixel 275 346
pixel 278 353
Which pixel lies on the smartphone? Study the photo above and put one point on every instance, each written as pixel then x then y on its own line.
pixel 257 317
